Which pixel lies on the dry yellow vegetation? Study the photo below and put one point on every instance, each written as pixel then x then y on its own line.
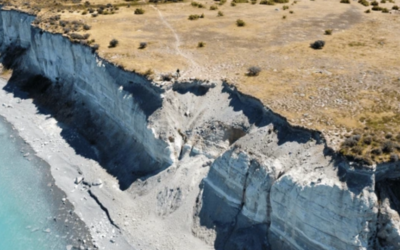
pixel 352 84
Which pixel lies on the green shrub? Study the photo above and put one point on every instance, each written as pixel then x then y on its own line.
pixel 84 12
pixel 368 11
pixel 213 7
pixel 383 1
pixel 284 17
pixel 285 7
pixel 220 13
pixel 139 11
pixel 221 2
pixel 395 7
pixel 385 10
pixel 267 2
pixel 202 16
pixel 240 23
pixel 142 45
pixel 291 12
pixel 113 43
pixel 374 3
pixel 194 17
pixel 345 1
pixel 364 2
pixel 281 1
pixel 328 32
pixel 376 8
pixel 201 44
pixel 253 71
pixel 198 5
pixel 233 4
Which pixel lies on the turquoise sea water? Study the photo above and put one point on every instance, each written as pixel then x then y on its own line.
pixel 30 205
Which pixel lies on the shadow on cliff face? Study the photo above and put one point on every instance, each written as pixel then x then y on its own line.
pixel 87 132
pixel 261 116
pixel 233 230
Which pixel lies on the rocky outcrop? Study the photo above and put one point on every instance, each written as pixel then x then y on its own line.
pixel 269 185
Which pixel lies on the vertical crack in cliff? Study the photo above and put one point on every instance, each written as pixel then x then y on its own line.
pixel 103 208
pixel 235 220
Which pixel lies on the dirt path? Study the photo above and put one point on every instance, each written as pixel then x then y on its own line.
pixel 193 64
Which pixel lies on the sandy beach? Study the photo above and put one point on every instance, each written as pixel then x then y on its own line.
pixel 43 134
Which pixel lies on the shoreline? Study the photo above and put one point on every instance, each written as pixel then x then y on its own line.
pixel 42 134
pixel 68 223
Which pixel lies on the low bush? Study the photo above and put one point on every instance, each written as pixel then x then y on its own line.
pixel 267 2
pixel 374 3
pixel 328 32
pixel 86 27
pixel 201 44
pixel 357 150
pixel 240 23
pixel 388 147
pixel 318 44
pixel 240 1
pixel 142 45
pixel 377 8
pixel 139 11
pixel 113 43
pixel 213 7
pixel 84 12
pixel 368 11
pixel 376 151
pixel 220 13
pixel 345 1
pixel 395 7
pixel 385 10
pixel 198 5
pixel 383 1
pixel 291 12
pixel 285 7
pixel 350 142
pixel 194 17
pixel 233 4
pixel 253 71
pixel 364 2
pixel 367 140
pixel 77 36
pixel 283 17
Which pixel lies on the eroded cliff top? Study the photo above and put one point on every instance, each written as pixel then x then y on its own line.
pixel 348 87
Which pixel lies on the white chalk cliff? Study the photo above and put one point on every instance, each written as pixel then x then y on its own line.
pixel 217 163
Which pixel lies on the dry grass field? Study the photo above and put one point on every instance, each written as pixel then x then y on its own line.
pixel 350 87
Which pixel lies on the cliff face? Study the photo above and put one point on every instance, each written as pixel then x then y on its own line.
pixel 268 185
pixel 107 104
